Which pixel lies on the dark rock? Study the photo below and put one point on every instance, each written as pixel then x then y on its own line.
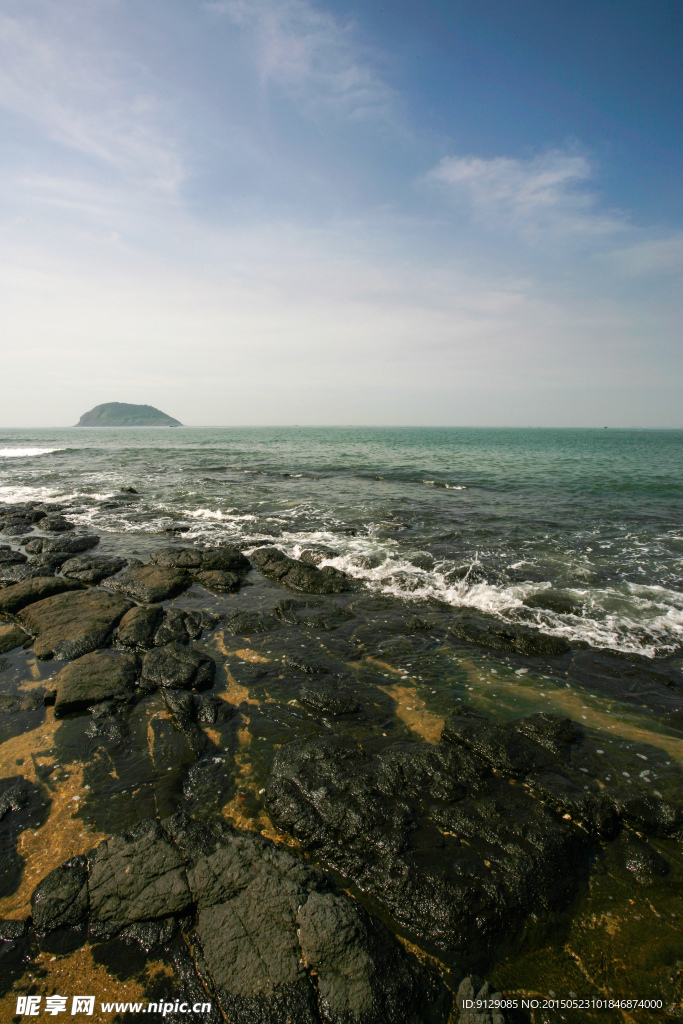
pixel 10 557
pixel 219 581
pixel 34 545
pixel 177 558
pixel 314 556
pixel 172 629
pixel 198 622
pixel 139 625
pixel 11 703
pixel 638 857
pixel 506 638
pixel 179 667
pixel 10 574
pixel 74 545
pixel 56 524
pixel 61 899
pixel 50 563
pixel 209 785
pixel 151 583
pixel 454 853
pixel 101 675
pixel 555 734
pixel 554 601
pixel 225 559
pixel 92 568
pixel 72 624
pixel 129 490
pixel 15 598
pixel 151 935
pixel 505 749
pixel 307 665
pixel 328 696
pixel 134 876
pixel 274 564
pixel 188 709
pixel 16 527
pixel 250 623
pixel 653 816
pixel 23 805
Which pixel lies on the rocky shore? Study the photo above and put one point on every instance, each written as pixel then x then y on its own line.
pixel 276 809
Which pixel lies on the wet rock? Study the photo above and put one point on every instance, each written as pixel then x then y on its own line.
pixel 11 703
pixel 137 875
pixel 329 696
pixel 151 583
pixel 129 490
pixel 61 899
pixel 55 524
pixel 50 563
pixel 639 858
pixel 20 596
pixel 189 709
pixel 69 625
pixel 99 676
pixel 506 638
pixel 15 527
pixel 198 622
pixel 554 601
pixel 503 748
pixel 275 565
pixel 304 613
pixel 138 626
pixel 223 559
pixel 10 557
pixel 92 568
pixel 250 623
pixel 653 816
pixel 316 555
pixel 209 785
pixel 172 629
pixel 23 805
pixel 552 732
pixel 219 581
pixel 34 545
pixel 455 854
pixel 179 667
pixel 10 574
pixel 73 544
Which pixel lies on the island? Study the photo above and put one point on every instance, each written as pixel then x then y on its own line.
pixel 123 414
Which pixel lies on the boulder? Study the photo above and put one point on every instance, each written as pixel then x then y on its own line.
pixel 95 677
pixel 28 592
pixel 275 565
pixel 69 625
pixel 152 583
pixel 139 625
pixel 172 629
pixel 73 544
pixel 179 667
pixel 92 568
pixel 10 557
pixel 219 581
pixel 506 638
pixel 329 696
pixel 55 523
pixel 10 574
pixel 226 559
pixel 11 637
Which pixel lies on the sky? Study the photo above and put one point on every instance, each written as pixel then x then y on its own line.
pixel 251 212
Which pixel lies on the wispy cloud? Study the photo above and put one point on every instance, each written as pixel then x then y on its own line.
pixel 652 256
pixel 59 72
pixel 313 58
pixel 546 194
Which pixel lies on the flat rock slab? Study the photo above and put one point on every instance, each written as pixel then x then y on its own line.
pixel 11 637
pixel 23 594
pixel 277 566
pixel 277 942
pixel 225 559
pixel 92 568
pixel 69 625
pixel 98 676
pixel 151 583
pixel 74 545
pixel 179 667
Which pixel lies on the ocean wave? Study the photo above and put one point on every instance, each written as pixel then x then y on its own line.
pixel 27 453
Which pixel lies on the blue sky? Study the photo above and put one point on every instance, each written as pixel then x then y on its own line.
pixel 284 211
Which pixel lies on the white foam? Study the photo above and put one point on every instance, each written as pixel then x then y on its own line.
pixel 26 453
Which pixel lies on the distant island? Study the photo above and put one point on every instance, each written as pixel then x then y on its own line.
pixel 122 414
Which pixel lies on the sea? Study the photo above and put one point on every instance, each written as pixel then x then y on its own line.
pixel 575 533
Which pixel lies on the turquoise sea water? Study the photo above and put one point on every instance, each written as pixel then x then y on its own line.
pixel 585 525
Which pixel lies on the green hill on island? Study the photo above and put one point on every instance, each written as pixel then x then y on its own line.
pixel 122 414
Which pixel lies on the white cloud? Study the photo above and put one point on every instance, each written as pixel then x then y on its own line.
pixel 59 71
pixel 543 195
pixel 654 256
pixel 311 57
